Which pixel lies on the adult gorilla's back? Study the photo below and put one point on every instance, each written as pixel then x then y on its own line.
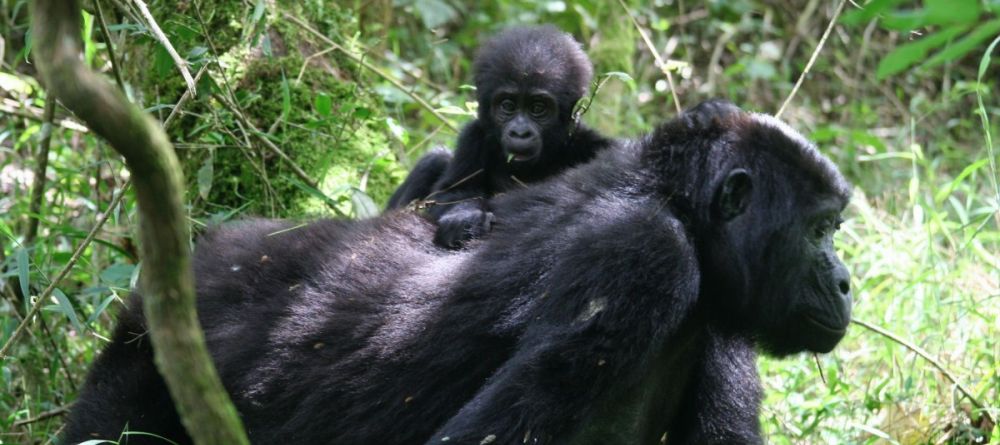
pixel 576 322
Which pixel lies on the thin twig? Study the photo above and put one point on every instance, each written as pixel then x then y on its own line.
pixel 360 60
pixel 175 111
pixel 162 38
pixel 812 58
pixel 36 114
pixel 38 184
pixel 37 306
pixel 933 361
pixel 107 42
pixel 656 56
pixel 43 415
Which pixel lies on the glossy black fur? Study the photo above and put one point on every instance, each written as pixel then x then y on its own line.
pixel 582 320
pixel 517 63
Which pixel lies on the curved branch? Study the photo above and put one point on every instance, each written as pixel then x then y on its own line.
pixel 168 302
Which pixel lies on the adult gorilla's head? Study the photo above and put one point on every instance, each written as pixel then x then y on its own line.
pixel 764 205
pixel 527 82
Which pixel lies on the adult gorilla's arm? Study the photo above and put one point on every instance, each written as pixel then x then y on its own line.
pixel 461 194
pixel 586 339
pixel 722 402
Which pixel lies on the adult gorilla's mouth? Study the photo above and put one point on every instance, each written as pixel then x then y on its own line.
pixel 825 327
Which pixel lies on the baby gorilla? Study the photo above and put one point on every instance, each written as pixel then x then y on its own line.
pixel 527 82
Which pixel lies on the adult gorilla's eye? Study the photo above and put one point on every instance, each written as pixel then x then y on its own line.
pixel 827 226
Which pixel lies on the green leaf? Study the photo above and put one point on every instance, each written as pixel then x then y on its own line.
pixel 286 97
pixel 258 11
pixel 984 63
pixel 944 192
pixel 363 205
pixel 435 13
pixel 966 44
pixel 623 77
pixel 22 271
pixel 868 12
pixel 205 175
pixel 906 55
pixel 100 309
pixel 323 104
pixel 316 193
pixel 941 12
pixel 89 48
pixel 66 309
pixel 117 275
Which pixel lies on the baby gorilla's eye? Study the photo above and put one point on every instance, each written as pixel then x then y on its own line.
pixel 507 106
pixel 538 109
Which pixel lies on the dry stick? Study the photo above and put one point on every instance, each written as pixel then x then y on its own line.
pixel 44 296
pixel 43 415
pixel 396 83
pixel 933 361
pixel 107 42
pixel 812 58
pixel 656 56
pixel 179 350
pixel 162 38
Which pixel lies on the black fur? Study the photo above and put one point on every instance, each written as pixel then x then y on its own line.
pixel 582 320
pixel 505 148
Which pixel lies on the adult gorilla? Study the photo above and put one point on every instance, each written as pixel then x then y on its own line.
pixel 579 322
pixel 527 82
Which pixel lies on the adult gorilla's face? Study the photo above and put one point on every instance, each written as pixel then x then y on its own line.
pixel 523 117
pixel 819 285
pixel 772 241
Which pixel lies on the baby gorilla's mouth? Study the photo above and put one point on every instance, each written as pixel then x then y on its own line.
pixel 518 157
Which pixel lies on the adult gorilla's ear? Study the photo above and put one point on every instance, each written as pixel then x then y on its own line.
pixel 733 196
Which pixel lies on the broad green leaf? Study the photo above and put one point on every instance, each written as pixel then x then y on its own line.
pixel 944 192
pixel 435 13
pixel 940 12
pixel 623 77
pixel 323 104
pixel 22 271
pixel 868 12
pixel 205 175
pixel 363 205
pixel 66 309
pixel 100 309
pixel 117 275
pixel 258 11
pixel 966 44
pixel 906 55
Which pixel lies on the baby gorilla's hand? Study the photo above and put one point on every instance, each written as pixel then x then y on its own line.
pixel 461 225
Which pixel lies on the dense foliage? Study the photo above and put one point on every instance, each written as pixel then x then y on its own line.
pixel 319 108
